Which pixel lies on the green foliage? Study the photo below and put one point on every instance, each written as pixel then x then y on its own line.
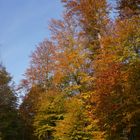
pixel 9 118
pixel 6 91
pixel 51 109
pixel 76 124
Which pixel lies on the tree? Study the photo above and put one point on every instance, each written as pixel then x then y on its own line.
pixel 72 63
pixel 41 65
pixel 116 96
pixel 50 110
pixel 128 8
pixel 9 118
pixel 76 124
pixel 28 110
pixel 89 72
pixel 92 16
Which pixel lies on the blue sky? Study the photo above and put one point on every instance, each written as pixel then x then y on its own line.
pixel 23 24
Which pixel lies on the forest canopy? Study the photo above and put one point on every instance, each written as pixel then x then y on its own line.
pixel 83 82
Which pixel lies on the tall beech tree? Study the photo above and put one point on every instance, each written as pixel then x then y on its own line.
pixel 92 16
pixel 41 65
pixel 72 63
pixel 115 93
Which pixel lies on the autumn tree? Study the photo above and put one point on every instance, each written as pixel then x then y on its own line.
pixel 50 110
pixel 92 16
pixel 128 8
pixel 71 65
pixel 40 70
pixel 89 72
pixel 76 124
pixel 115 93
pixel 28 110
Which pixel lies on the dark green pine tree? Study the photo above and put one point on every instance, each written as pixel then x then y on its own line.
pixel 9 120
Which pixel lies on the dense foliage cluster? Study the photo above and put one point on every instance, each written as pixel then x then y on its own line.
pixel 84 82
pixel 10 122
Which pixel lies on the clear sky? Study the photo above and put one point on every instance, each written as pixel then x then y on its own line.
pixel 23 24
